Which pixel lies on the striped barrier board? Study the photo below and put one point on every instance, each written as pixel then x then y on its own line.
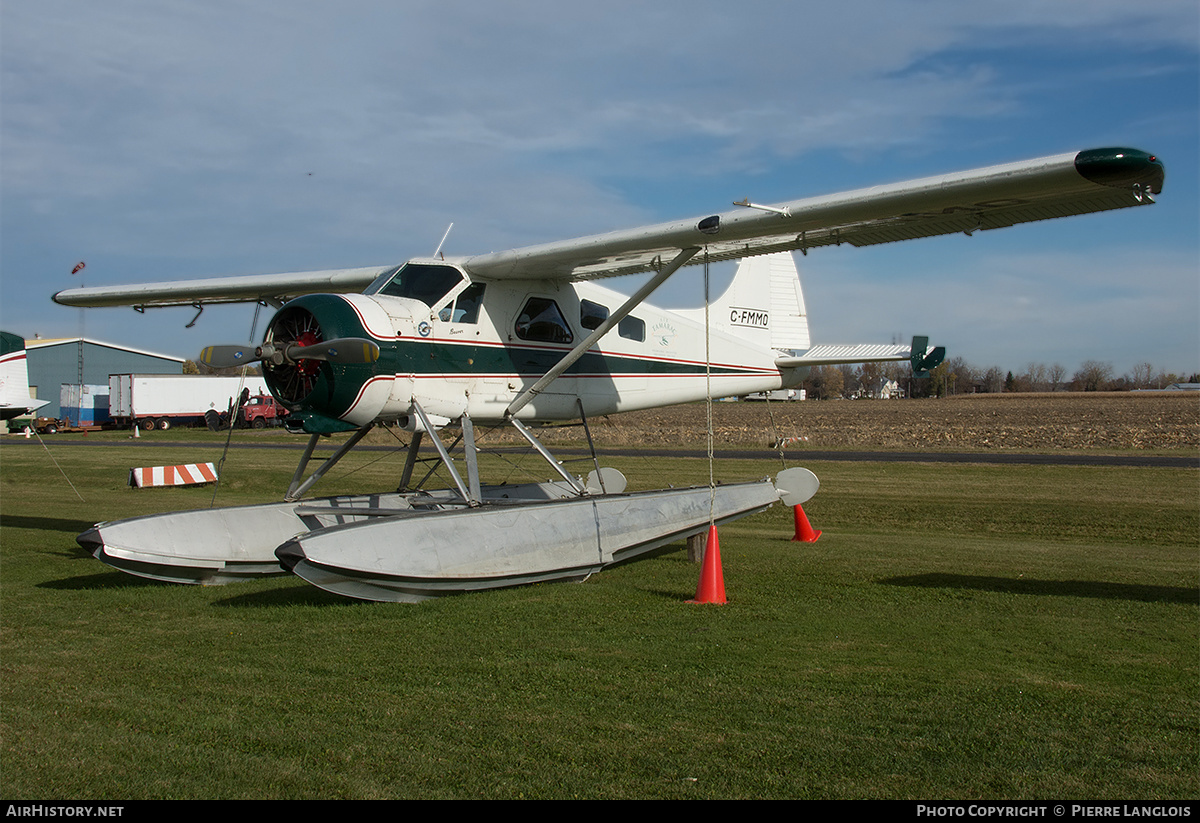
pixel 189 474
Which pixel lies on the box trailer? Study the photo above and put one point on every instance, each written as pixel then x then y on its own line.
pixel 159 401
pixel 84 405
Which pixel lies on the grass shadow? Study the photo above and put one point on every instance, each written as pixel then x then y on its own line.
pixel 286 595
pixel 53 524
pixel 291 595
pixel 1064 588
pixel 106 580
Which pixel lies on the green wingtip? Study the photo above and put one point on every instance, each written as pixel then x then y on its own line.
pixel 1121 168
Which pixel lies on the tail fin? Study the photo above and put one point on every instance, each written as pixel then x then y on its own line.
pixel 764 303
pixel 789 323
pixel 14 378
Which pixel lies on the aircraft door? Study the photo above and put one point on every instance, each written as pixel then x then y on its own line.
pixel 545 336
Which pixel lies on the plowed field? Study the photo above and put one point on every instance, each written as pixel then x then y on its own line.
pixel 1017 422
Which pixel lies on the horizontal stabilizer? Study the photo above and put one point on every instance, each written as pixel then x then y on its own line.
pixel 19 409
pixel 835 355
pixel 922 357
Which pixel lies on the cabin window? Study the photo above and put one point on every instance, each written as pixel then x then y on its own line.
pixel 592 315
pixel 426 282
pixel 632 328
pixel 465 308
pixel 542 321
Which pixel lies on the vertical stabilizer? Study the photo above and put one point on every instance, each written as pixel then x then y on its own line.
pixel 789 318
pixel 764 303
pixel 14 378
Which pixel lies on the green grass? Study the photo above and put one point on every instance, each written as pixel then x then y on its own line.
pixel 959 631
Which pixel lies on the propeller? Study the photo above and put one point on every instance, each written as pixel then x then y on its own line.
pixel 342 350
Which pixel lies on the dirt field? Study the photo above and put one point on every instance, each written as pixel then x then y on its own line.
pixel 1016 422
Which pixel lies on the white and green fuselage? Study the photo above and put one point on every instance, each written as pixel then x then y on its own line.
pixel 477 362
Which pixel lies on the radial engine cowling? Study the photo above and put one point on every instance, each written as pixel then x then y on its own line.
pixel 326 395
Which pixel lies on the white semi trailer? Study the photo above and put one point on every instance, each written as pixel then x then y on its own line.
pixel 159 401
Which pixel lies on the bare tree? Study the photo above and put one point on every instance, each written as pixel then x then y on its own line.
pixel 824 382
pixel 1057 374
pixel 993 380
pixel 939 379
pixel 835 385
pixel 1093 376
pixel 961 376
pixel 849 380
pixel 1034 378
pixel 1142 376
pixel 870 378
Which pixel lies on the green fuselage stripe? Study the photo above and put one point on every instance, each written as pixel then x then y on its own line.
pixel 440 357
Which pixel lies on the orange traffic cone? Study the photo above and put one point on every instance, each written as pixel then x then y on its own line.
pixel 805 533
pixel 711 588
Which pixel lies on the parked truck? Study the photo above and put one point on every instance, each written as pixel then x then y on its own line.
pixel 255 412
pixel 260 411
pixel 160 401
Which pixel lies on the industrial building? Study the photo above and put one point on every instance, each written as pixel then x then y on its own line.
pixel 73 361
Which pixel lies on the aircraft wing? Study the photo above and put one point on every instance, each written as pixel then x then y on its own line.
pixel 983 199
pixel 270 288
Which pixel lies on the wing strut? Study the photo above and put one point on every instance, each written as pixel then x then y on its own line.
pixel 616 317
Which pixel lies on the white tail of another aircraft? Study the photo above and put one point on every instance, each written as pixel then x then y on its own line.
pixel 14 379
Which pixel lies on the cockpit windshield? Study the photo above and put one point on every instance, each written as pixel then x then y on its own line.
pixel 427 282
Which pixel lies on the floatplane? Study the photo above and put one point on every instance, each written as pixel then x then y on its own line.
pixel 528 337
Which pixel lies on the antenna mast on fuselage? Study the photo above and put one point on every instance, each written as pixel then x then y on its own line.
pixel 438 251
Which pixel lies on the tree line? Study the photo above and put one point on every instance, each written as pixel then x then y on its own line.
pixel 956 376
pixel 192 367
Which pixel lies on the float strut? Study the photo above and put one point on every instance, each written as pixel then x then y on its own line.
pixel 297 489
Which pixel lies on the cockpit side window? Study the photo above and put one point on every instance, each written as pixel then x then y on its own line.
pixel 465 308
pixel 542 321
pixel 426 282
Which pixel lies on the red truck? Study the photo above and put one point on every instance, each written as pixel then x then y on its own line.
pixel 260 411
pixel 257 412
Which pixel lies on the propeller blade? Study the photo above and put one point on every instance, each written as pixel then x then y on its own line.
pixel 343 350
pixel 226 357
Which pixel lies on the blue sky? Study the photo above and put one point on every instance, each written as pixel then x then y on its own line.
pixel 161 140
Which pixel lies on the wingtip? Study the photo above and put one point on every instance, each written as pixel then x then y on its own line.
pixel 1122 168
